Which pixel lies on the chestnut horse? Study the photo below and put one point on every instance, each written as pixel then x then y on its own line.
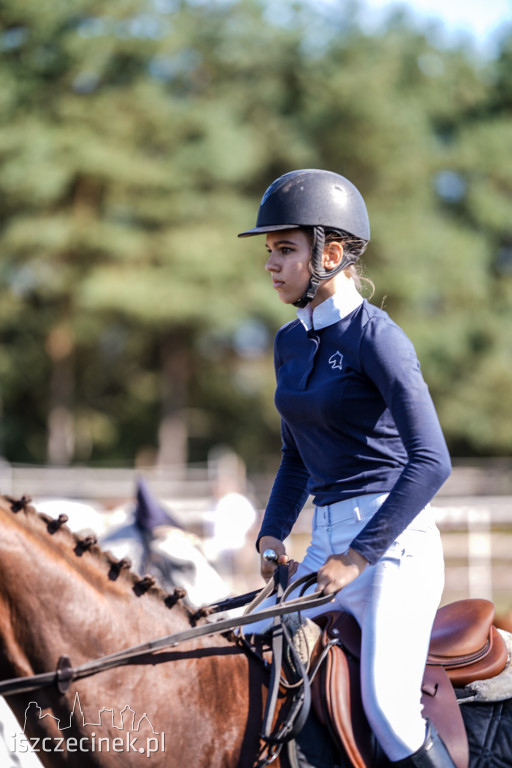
pixel 201 705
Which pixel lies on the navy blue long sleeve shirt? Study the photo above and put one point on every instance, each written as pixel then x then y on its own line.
pixel 357 418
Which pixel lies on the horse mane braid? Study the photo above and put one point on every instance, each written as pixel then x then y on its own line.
pixel 17 505
pixel 140 586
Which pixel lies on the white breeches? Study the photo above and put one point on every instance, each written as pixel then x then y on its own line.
pixel 394 602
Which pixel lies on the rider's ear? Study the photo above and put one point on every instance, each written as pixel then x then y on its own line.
pixel 332 255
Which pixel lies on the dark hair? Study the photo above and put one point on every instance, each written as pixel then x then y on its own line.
pixel 352 246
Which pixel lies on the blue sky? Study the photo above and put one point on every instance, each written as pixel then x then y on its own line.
pixel 481 19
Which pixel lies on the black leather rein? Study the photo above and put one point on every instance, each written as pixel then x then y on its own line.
pixel 65 674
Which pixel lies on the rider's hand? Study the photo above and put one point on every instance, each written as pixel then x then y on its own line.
pixel 340 570
pixel 268 566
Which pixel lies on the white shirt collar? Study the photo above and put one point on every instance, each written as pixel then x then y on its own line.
pixel 342 303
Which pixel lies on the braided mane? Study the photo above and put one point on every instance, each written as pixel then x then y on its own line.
pixel 114 568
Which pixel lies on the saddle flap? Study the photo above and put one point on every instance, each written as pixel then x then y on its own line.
pixel 440 706
pixel 341 626
pixel 337 701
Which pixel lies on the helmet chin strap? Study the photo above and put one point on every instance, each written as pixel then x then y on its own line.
pixel 310 294
pixel 318 273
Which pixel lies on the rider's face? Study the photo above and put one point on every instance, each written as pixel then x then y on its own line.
pixel 289 256
pixel 289 253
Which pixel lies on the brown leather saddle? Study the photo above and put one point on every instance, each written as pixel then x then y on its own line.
pixel 465 646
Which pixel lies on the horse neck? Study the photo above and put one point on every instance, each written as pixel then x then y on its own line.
pixel 55 601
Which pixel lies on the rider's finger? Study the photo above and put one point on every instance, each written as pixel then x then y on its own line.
pixel 267 571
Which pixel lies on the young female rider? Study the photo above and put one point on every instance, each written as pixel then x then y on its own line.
pixel 361 435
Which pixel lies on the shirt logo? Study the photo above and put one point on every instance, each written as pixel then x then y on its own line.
pixel 336 361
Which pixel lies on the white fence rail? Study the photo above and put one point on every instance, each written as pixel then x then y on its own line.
pixel 473 510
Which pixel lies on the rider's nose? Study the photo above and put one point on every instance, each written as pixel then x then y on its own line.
pixel 271 265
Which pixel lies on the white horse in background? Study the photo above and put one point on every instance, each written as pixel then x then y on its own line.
pixel 146 533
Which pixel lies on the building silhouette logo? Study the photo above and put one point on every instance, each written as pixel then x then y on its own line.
pixel 126 720
pixel 126 731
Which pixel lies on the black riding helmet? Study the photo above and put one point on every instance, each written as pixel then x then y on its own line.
pixel 322 200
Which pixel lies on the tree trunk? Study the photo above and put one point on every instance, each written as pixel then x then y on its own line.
pixel 61 439
pixel 173 433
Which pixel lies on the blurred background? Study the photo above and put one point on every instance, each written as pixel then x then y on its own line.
pixel 136 140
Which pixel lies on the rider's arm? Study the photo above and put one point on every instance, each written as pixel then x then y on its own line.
pixel 289 492
pixel 389 359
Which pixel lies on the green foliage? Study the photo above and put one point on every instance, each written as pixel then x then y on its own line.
pixel 136 139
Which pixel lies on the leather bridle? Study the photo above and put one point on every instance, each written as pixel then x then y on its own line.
pixel 65 674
